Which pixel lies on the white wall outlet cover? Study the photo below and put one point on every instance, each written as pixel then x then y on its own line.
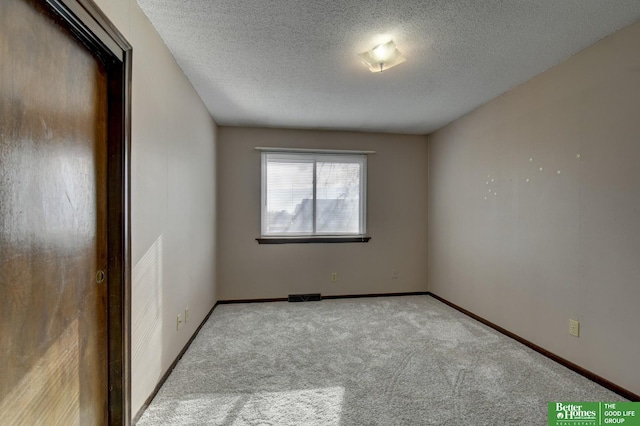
pixel 574 328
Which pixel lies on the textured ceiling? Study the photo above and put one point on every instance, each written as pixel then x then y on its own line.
pixel 292 63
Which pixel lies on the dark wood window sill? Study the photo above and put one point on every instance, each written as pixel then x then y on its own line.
pixel 311 240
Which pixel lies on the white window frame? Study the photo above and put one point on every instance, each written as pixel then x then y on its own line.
pixel 315 156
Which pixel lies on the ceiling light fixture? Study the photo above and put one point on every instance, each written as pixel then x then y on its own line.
pixel 382 57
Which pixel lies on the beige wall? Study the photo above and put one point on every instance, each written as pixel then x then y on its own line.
pixel 173 202
pixel 562 245
pixel 397 176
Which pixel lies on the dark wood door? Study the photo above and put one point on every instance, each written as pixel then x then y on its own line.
pixel 53 331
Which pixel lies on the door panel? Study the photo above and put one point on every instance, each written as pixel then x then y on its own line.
pixel 53 339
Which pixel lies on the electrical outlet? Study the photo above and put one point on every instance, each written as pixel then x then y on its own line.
pixel 574 328
pixel 334 276
pixel 186 314
pixel 178 321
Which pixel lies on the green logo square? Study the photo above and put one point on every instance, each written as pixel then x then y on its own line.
pixel 593 413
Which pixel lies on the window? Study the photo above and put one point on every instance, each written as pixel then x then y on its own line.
pixel 313 195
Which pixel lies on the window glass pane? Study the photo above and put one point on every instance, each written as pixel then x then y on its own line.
pixel 292 206
pixel 289 197
pixel 338 197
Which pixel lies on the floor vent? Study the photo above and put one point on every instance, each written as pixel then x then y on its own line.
pixel 311 297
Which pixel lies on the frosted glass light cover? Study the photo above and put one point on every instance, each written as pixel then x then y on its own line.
pixel 382 57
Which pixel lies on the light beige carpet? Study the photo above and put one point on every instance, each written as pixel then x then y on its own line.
pixel 407 360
